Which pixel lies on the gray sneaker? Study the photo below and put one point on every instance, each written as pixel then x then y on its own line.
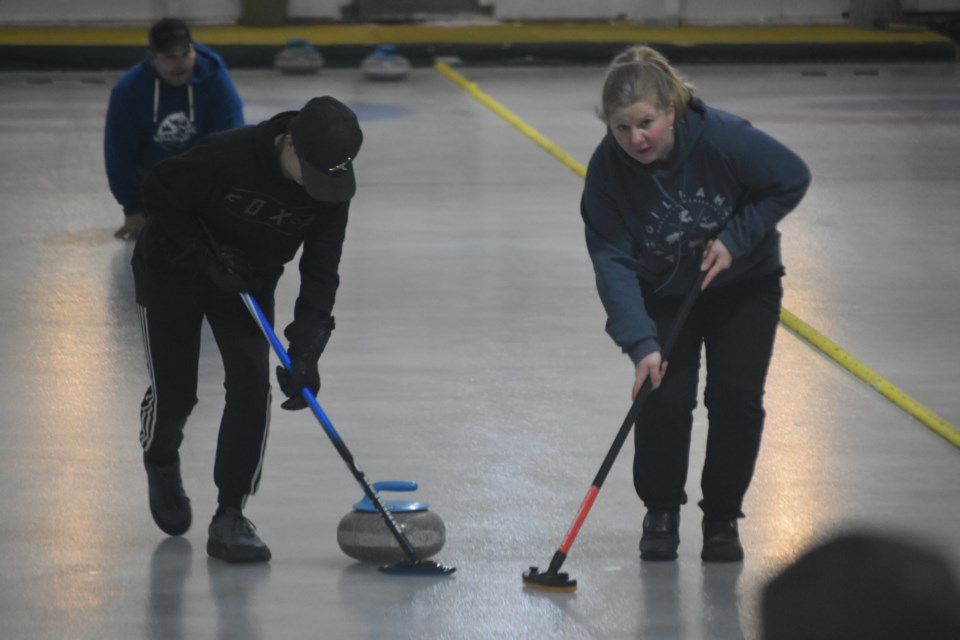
pixel 233 538
pixel 169 504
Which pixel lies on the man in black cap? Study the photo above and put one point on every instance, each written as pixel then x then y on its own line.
pixel 164 104
pixel 224 218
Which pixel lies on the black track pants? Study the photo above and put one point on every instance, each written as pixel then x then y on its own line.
pixel 736 327
pixel 172 309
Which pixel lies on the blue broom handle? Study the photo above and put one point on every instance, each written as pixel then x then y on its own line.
pixel 274 341
pixel 338 443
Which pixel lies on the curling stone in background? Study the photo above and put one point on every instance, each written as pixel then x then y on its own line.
pixel 299 57
pixel 385 64
pixel 363 535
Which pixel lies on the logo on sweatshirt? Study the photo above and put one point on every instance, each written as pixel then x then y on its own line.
pixel 259 208
pixel 175 131
pixel 682 222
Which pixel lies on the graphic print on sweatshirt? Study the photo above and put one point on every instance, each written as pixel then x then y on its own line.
pixel 175 131
pixel 263 209
pixel 681 224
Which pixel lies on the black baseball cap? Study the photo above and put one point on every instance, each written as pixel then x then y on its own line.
pixel 327 138
pixel 169 33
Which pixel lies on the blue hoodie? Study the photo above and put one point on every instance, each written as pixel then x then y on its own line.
pixel 149 120
pixel 644 224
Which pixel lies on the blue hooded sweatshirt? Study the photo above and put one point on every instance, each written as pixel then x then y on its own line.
pixel 649 224
pixel 149 120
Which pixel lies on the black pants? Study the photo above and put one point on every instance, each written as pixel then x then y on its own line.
pixel 172 308
pixel 736 327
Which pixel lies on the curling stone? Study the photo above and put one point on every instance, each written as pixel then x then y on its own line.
pixel 363 534
pixel 298 58
pixel 385 64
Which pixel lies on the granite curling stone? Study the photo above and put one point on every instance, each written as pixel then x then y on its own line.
pixel 299 57
pixel 364 535
pixel 385 64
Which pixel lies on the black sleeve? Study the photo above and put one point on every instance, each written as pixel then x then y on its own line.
pixel 175 193
pixel 319 275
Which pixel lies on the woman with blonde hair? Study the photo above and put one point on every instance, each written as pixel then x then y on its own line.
pixel 676 188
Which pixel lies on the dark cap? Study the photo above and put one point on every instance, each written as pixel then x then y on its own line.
pixel 327 138
pixel 169 33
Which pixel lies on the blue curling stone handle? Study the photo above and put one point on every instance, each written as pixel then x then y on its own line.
pixel 393 506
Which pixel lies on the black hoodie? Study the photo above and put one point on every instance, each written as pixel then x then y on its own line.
pixel 231 184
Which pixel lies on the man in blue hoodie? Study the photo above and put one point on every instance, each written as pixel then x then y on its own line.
pixel 178 94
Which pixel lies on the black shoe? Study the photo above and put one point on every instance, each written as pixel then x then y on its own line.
pixel 234 538
pixel 169 504
pixel 661 536
pixel 721 540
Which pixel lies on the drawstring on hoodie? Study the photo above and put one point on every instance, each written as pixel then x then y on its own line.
pixel 156 99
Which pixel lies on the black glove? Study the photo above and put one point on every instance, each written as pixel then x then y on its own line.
pixel 228 271
pixel 304 370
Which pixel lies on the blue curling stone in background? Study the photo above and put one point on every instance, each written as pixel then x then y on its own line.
pixel 299 57
pixel 385 64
